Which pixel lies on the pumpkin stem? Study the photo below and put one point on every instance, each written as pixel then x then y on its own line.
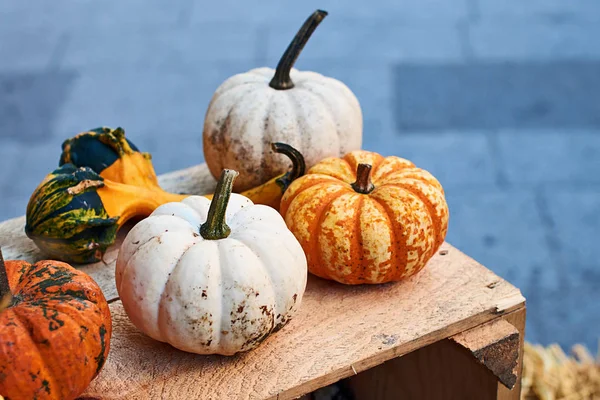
pixel 215 227
pixel 363 179
pixel 5 294
pixel 282 80
pixel 298 164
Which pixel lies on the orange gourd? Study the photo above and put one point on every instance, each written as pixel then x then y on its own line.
pixel 55 330
pixel 366 218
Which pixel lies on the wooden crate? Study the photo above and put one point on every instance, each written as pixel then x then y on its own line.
pixel 453 331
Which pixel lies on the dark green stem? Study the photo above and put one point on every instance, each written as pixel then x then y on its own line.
pixel 363 179
pixel 298 164
pixel 5 294
pixel 282 80
pixel 215 227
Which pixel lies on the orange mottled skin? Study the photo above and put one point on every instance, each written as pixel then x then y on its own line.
pixel 54 337
pixel 385 235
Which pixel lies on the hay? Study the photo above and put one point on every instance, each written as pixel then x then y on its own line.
pixel 549 374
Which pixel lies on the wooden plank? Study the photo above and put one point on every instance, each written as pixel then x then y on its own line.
pixel 496 346
pixel 340 329
pixel 17 246
pixel 443 370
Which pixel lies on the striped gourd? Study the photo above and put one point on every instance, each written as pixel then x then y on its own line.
pixel 74 214
pixel 365 218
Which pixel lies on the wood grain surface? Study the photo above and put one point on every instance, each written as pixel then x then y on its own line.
pixel 340 330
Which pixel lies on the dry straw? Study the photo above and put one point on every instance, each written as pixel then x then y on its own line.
pixel 549 374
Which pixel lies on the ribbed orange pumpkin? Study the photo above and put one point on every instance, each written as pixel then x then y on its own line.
pixel 365 218
pixel 55 330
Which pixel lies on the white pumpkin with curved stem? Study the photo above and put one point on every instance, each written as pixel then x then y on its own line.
pixel 318 115
pixel 211 278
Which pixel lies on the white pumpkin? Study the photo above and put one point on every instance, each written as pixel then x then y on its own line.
pixel 317 115
pixel 211 278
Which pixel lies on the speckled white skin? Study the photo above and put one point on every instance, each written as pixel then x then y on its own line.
pixel 319 116
pixel 211 296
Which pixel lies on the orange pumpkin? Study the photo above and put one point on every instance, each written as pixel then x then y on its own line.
pixel 365 218
pixel 55 330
